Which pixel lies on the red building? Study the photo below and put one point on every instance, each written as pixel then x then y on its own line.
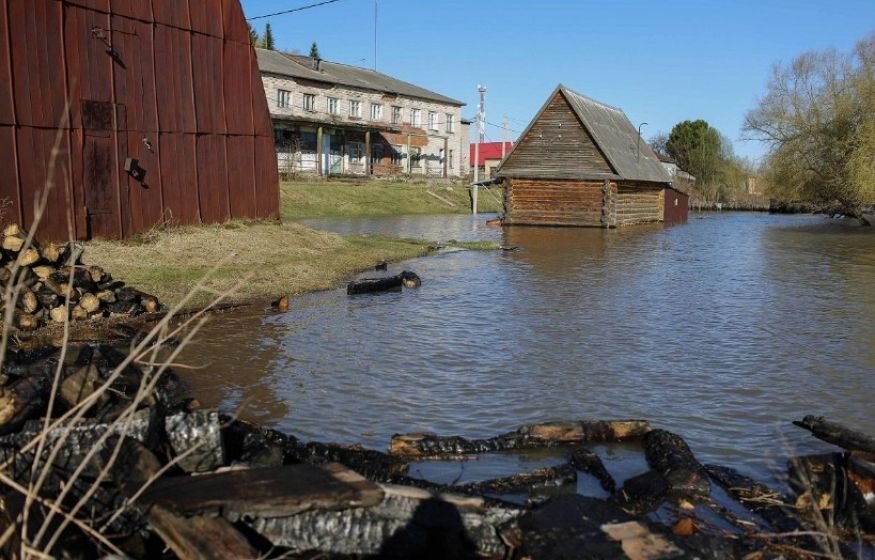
pixel 167 120
pixel 490 157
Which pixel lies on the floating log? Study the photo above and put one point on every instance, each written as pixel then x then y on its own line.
pixel 837 434
pixel 372 285
pixel 200 537
pixel 410 279
pixel 669 455
pixel 406 523
pixel 551 434
pixel 266 492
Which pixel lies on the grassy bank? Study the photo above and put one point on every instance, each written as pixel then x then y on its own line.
pixel 284 259
pixel 301 200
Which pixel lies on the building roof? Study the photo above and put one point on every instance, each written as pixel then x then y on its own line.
pixel 627 153
pixel 664 158
pixel 489 150
pixel 299 66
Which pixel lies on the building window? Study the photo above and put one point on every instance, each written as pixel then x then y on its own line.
pixel 283 98
pixel 333 105
pixel 416 118
pixel 376 154
pixel 355 108
pixel 396 115
pixel 397 155
pixel 376 112
pixel 450 160
pixel 415 157
pixel 309 102
pixel 432 120
pixel 355 151
pixel 451 126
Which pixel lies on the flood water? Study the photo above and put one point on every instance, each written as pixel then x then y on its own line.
pixel 723 329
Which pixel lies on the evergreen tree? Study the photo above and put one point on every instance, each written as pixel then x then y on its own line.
pixel 253 35
pixel 314 50
pixel 267 40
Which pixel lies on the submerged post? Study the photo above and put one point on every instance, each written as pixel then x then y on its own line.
pixel 474 189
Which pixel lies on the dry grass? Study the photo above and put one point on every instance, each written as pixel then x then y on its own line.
pixel 283 259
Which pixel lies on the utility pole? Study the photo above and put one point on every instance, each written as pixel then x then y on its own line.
pixel 375 35
pixel 481 136
pixel 503 137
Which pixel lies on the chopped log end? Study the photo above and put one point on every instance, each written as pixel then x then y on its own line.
pixel 150 304
pixel 13 230
pixel 28 257
pixel 58 314
pixel 90 303
pixel 27 322
pixel 13 243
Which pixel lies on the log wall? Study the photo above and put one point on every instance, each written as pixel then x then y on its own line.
pixel 556 202
pixel 638 203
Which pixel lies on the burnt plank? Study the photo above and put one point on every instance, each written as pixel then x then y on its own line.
pixel 265 492
pixel 198 537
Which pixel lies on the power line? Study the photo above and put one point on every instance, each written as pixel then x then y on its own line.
pixel 298 9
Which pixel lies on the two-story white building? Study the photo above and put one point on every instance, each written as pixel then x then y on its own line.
pixel 336 119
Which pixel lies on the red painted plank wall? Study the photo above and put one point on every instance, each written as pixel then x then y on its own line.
pixel 173 84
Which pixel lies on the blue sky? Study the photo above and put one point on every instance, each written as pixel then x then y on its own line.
pixel 662 62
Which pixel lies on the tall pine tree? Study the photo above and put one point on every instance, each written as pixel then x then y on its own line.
pixel 267 40
pixel 314 50
pixel 253 35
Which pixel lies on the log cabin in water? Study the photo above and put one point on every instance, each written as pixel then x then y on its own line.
pixel 582 163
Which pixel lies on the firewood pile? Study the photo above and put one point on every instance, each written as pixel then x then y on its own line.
pixel 55 286
pixel 147 473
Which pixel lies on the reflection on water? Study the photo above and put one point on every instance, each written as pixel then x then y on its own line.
pixel 724 330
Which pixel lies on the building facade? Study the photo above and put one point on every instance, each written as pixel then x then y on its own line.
pixel 335 119
pixel 582 163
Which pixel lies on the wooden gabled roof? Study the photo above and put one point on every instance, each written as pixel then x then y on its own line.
pixel 616 138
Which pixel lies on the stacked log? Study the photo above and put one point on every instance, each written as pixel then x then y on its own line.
pixel 55 286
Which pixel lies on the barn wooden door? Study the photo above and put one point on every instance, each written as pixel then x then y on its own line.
pixel 100 170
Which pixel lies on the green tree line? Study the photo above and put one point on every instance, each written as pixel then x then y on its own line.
pixel 700 149
pixel 818 119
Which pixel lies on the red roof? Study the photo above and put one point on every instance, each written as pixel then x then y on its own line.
pixel 489 150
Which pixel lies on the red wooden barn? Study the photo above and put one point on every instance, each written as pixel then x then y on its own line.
pixel 167 122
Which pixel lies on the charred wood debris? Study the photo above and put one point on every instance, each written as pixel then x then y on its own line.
pixel 141 470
